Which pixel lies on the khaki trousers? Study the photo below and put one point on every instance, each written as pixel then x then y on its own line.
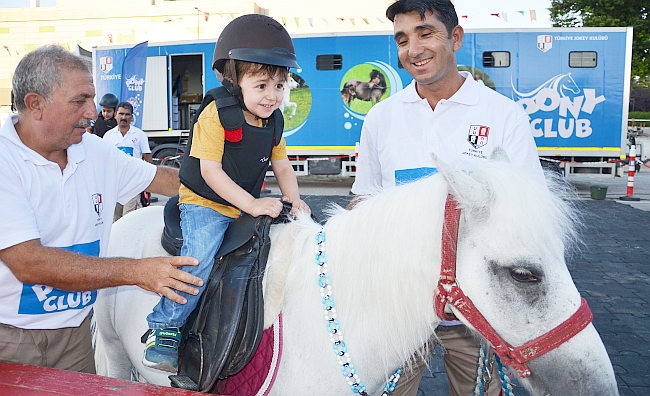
pixel 69 348
pixel 461 360
pixel 122 210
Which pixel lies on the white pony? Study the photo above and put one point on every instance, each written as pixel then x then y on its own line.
pixel 384 261
pixel 286 100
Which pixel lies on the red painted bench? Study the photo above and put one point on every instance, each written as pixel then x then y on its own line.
pixel 22 380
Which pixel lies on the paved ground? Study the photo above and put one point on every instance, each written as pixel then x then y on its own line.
pixel 611 270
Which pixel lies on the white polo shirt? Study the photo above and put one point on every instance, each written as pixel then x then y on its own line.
pixel 399 134
pixel 72 210
pixel 134 142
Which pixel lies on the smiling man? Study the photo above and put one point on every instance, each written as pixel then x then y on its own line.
pixel 133 142
pixel 58 187
pixel 448 113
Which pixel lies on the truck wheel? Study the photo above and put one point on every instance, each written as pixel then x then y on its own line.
pixel 169 156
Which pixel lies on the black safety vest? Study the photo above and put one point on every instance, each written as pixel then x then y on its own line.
pixel 102 125
pixel 246 155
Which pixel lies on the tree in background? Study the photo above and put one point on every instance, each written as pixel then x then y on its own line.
pixel 601 13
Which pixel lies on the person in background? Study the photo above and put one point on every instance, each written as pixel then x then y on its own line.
pixel 446 112
pixel 133 142
pixel 230 148
pixel 56 184
pixel 106 118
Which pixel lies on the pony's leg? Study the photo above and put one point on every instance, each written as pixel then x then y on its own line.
pixel 111 360
pixel 294 107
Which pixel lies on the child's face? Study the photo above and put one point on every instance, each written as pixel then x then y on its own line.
pixel 108 112
pixel 262 94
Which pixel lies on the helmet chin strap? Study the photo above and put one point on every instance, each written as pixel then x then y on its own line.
pixel 234 89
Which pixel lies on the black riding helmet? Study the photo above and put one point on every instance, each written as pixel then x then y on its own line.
pixel 109 100
pixel 254 38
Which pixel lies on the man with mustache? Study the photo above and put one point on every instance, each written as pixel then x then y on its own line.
pixel 58 188
pixel 133 142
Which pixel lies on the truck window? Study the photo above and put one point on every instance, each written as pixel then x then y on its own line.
pixel 583 59
pixel 496 59
pixel 329 62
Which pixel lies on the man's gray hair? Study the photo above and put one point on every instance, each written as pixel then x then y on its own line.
pixel 40 72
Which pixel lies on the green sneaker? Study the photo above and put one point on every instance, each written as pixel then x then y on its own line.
pixel 161 352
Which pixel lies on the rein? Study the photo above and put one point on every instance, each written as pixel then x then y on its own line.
pixel 449 292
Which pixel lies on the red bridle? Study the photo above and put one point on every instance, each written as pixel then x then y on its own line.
pixel 448 292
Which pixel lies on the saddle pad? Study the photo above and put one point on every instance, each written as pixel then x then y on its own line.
pixel 257 377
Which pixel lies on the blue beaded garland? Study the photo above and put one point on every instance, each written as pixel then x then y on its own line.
pixel 333 327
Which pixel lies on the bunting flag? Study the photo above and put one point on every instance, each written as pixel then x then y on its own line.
pixel 367 21
pixel 207 15
pixel 7 48
pixel 504 15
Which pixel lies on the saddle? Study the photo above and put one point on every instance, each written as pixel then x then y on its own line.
pixel 224 330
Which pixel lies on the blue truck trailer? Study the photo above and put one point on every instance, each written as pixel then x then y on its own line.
pixel 573 82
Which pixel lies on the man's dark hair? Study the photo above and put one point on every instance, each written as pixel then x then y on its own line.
pixel 125 105
pixel 443 9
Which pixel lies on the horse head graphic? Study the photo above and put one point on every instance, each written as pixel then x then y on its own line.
pixel 563 84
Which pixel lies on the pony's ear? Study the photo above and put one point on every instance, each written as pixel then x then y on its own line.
pixel 499 154
pixel 468 191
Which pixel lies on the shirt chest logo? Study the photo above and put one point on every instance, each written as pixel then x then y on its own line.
pixel 478 135
pixel 98 204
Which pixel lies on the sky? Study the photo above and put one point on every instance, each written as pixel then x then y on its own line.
pixel 471 13
pixel 24 3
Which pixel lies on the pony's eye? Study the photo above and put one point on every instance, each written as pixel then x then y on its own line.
pixel 523 275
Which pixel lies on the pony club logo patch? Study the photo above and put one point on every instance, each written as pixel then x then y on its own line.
pixel 544 42
pixel 478 135
pixel 106 63
pixel 98 203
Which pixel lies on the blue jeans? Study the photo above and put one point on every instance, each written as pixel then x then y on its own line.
pixel 203 230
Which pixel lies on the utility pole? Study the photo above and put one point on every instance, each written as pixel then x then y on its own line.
pixel 198 19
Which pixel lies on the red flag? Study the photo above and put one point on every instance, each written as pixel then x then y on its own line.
pixel 207 15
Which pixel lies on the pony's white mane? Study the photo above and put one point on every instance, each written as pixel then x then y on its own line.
pixel 357 244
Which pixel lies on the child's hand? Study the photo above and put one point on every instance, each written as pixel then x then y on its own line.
pixel 297 206
pixel 265 206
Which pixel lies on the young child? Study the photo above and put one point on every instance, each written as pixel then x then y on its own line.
pixel 106 119
pixel 229 152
